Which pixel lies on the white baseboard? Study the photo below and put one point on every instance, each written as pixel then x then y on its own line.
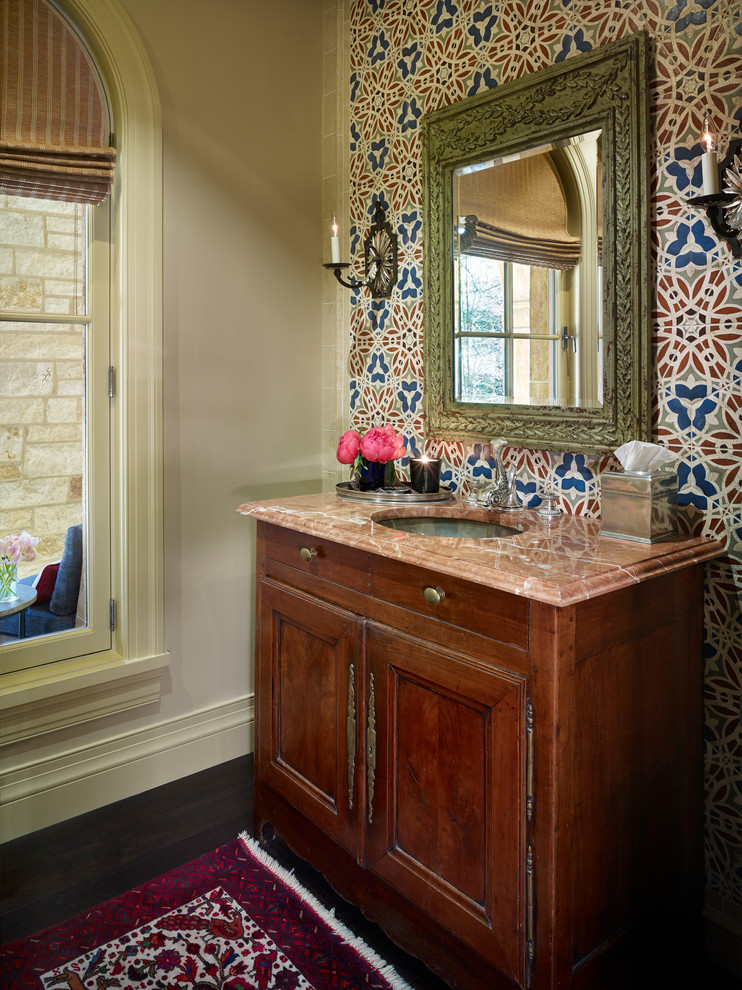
pixel 48 791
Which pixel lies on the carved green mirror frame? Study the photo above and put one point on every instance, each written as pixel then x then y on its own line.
pixel 606 89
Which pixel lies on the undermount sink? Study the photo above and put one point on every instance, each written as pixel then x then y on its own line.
pixel 478 529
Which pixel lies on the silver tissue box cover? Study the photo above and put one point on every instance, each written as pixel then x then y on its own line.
pixel 639 506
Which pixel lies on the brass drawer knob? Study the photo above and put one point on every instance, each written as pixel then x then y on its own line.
pixel 434 596
pixel 308 553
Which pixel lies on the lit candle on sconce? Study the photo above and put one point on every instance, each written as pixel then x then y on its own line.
pixel 425 474
pixel 709 164
pixel 335 242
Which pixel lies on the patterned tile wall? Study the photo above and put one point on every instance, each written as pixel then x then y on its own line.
pixel 408 57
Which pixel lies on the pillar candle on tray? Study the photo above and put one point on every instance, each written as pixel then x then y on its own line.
pixel 425 474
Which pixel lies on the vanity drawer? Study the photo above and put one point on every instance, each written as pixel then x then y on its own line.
pixel 497 615
pixel 319 557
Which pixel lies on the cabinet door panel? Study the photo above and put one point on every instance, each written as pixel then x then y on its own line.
pixel 439 821
pixel 307 684
pixel 445 827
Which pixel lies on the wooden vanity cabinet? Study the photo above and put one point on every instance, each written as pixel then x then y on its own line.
pixel 505 786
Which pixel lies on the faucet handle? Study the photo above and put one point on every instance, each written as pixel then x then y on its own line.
pixel 549 506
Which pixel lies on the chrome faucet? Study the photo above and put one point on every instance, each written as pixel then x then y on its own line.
pixel 511 503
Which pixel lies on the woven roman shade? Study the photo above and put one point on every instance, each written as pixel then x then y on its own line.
pixel 54 125
pixel 516 212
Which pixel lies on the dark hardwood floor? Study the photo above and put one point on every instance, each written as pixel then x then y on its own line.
pixel 55 873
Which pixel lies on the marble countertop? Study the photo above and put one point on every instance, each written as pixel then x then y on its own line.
pixel 559 561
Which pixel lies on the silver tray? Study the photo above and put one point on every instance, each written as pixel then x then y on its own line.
pixel 403 497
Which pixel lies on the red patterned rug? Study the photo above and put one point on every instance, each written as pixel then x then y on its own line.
pixel 231 920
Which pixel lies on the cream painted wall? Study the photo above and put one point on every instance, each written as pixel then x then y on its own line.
pixel 242 143
pixel 240 84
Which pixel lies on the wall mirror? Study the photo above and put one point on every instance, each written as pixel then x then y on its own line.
pixel 536 268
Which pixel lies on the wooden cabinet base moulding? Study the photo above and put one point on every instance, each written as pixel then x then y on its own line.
pixel 513 795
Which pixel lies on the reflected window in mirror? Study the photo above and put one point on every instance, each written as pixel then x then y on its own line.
pixel 527 277
pixel 503 322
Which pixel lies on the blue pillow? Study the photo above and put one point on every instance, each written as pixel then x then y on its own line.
pixel 67 588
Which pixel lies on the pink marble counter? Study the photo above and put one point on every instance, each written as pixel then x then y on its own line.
pixel 559 561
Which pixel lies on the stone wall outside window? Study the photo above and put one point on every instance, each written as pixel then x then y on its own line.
pixel 42 367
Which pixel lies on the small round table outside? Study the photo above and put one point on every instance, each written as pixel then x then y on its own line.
pixel 25 597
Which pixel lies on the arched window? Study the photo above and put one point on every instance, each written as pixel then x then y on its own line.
pixel 56 174
pixel 100 666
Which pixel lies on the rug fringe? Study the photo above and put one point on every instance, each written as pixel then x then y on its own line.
pixel 344 933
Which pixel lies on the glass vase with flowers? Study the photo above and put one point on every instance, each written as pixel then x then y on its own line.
pixel 372 455
pixel 14 549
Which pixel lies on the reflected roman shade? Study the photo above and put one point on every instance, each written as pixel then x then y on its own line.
pixel 54 128
pixel 516 212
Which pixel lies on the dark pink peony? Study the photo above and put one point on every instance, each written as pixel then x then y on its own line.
pixel 381 443
pixel 348 446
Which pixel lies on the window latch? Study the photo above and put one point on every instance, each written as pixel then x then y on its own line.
pixel 566 337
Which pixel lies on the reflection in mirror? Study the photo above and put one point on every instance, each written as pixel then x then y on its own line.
pixel 527 277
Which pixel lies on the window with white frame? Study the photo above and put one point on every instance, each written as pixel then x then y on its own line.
pixel 54 338
pixel 126 259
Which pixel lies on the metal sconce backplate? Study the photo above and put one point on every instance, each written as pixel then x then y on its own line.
pixel 381 249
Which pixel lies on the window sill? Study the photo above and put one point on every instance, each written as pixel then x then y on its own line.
pixel 42 699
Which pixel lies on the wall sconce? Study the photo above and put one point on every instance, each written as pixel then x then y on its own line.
pixel 724 209
pixel 380 256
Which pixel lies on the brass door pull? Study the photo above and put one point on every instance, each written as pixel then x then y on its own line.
pixel 350 733
pixel 434 596
pixel 371 748
pixel 308 553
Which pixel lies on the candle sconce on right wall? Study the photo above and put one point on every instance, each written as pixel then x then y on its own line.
pixel 723 208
